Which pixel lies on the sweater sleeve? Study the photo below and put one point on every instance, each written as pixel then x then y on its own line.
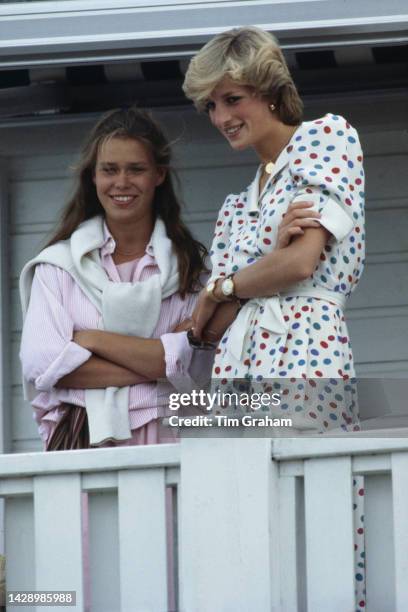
pixel 47 351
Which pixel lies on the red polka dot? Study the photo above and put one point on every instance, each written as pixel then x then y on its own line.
pixel 217 370
pixel 335 170
pixel 266 241
pixel 298 315
pixel 318 373
pixel 258 363
pixel 265 335
pixel 327 129
pixel 324 344
pixel 313 155
pixel 361 492
pixel 262 346
pixel 360 531
pixel 247 362
pixel 268 228
pixel 331 338
pixel 228 368
pixel 298 161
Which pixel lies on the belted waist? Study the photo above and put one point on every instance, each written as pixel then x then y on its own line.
pixel 271 318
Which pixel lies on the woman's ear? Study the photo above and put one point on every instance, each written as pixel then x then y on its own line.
pixel 161 175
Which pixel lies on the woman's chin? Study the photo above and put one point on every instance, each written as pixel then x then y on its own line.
pixel 238 145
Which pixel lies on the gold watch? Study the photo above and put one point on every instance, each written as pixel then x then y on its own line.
pixel 210 291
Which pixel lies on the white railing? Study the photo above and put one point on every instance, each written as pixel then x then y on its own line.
pixel 127 535
pixel 264 524
pixel 317 561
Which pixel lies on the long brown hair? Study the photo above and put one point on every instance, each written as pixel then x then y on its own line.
pixel 84 204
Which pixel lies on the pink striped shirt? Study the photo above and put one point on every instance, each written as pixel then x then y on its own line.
pixel 58 308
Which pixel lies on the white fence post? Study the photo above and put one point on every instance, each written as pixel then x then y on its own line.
pixel 329 534
pixel 58 538
pixel 400 508
pixel 229 526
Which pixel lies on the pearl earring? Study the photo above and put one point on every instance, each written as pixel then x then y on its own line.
pixel 272 107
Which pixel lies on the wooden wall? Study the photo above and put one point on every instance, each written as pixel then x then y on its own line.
pixel 38 156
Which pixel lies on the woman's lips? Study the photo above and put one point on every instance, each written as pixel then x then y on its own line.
pixel 122 201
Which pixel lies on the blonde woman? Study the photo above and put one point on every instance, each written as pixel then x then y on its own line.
pixel 307 196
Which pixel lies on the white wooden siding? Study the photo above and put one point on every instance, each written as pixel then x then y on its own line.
pixel 39 155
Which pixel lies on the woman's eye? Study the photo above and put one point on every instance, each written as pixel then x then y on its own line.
pixel 210 106
pixel 233 99
pixel 108 170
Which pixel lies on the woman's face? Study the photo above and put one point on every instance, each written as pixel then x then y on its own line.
pixel 126 178
pixel 240 114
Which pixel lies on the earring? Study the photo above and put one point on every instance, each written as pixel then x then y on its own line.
pixel 272 107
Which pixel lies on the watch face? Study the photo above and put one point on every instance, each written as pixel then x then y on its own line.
pixel 211 287
pixel 227 287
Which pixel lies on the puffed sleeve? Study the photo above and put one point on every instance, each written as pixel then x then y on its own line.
pixel 327 169
pixel 220 248
pixel 47 351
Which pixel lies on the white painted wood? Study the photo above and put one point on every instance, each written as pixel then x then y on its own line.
pixel 371 464
pixel 378 525
pixel 19 545
pixel 400 516
pixel 288 449
pixel 5 413
pixel 142 540
pixel 289 506
pixel 175 29
pixel 57 529
pixel 90 460
pixel 104 552
pixel 228 504
pixel 329 535
pixel 15 487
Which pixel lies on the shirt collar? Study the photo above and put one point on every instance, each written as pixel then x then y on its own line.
pixel 109 244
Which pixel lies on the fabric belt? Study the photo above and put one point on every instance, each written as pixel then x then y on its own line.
pixel 271 318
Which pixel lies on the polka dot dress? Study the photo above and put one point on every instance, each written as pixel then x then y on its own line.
pixel 301 333
pixel 300 336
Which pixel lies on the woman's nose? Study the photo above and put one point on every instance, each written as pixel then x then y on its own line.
pixel 122 180
pixel 220 116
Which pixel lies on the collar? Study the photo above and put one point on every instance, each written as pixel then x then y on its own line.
pixel 109 245
pixel 281 161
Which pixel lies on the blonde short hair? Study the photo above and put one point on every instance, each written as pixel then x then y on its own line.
pixel 251 57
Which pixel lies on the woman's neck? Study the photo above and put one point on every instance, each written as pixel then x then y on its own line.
pixel 275 140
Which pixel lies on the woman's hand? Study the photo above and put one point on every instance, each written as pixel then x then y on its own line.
pixel 222 318
pixel 297 217
pixel 184 325
pixel 203 311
